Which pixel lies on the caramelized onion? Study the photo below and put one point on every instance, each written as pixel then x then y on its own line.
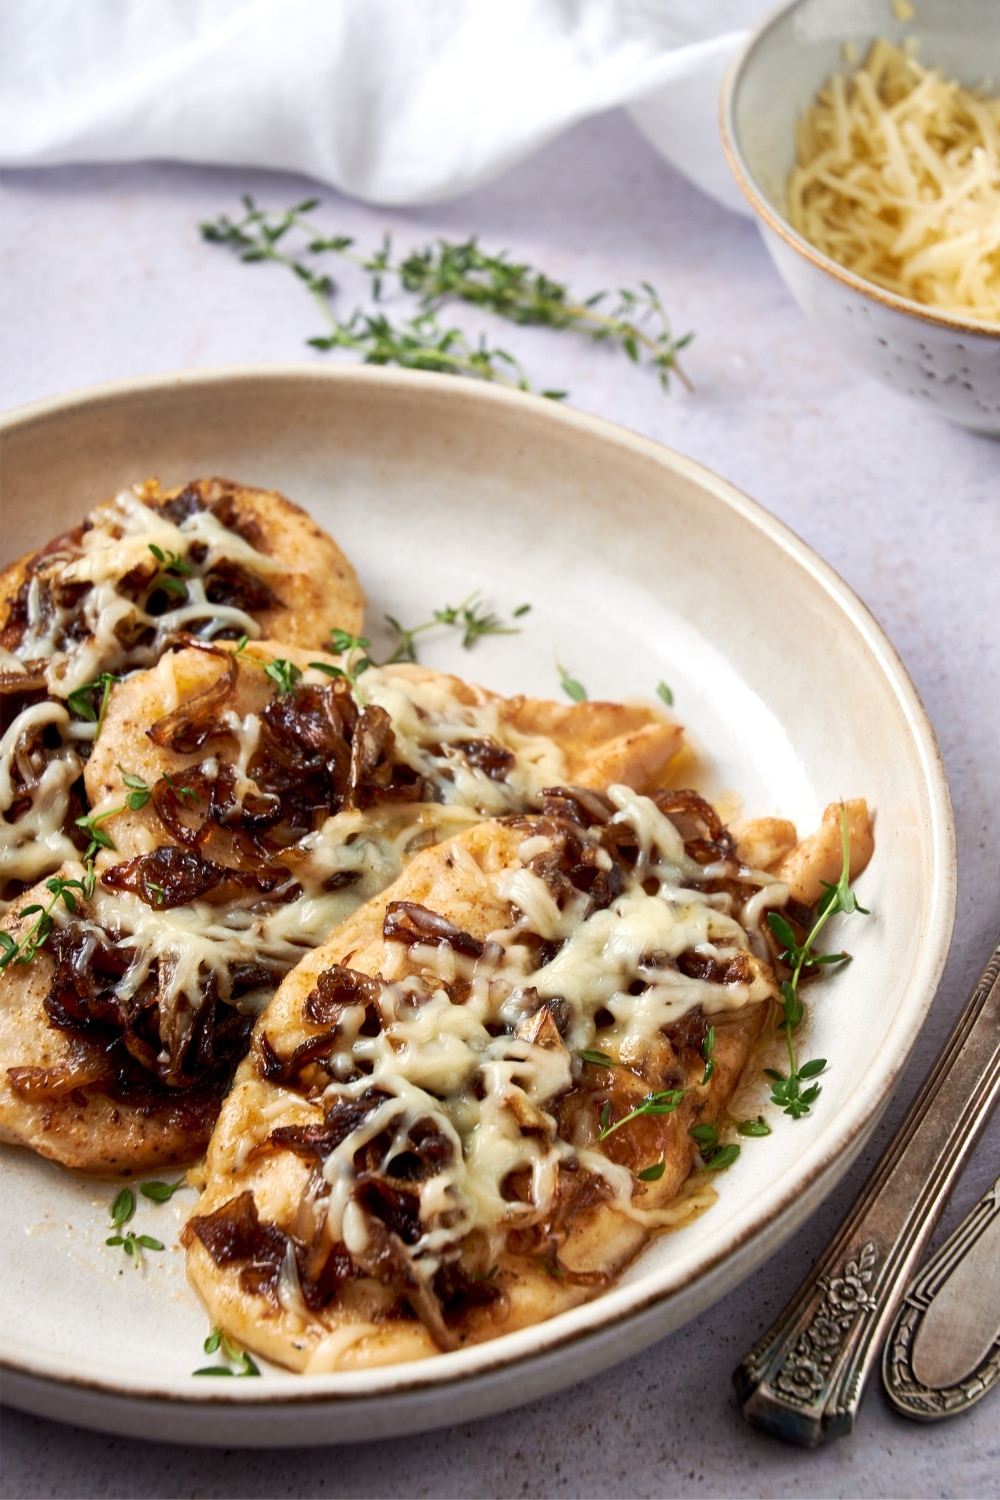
pixel 706 837
pixel 170 876
pixel 195 721
pixel 408 922
pixel 63 1078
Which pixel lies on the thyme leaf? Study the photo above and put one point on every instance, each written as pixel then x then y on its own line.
pixel 722 1158
pixel 708 1053
pixel 161 1192
pixel 571 686
pixel 122 1208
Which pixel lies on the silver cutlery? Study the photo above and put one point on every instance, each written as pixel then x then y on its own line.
pixel 943 1350
pixel 804 1379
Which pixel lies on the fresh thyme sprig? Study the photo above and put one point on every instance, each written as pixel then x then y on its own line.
pixel 285 673
pixel 348 647
pixel 470 617
pixel 81 701
pixel 787 1089
pixel 714 1158
pixel 662 1102
pixel 635 321
pixel 139 793
pixel 218 1342
pixel 421 343
pixel 63 889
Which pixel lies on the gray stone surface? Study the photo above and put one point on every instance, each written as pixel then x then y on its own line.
pixel 105 276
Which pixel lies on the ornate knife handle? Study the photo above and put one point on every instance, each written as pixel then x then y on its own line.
pixel 804 1379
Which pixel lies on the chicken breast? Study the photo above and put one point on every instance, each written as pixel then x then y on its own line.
pixel 242 805
pixel 79 1080
pixel 470 1108
pixel 209 557
pixel 105 599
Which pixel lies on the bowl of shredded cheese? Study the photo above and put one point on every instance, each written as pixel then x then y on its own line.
pixel 867 140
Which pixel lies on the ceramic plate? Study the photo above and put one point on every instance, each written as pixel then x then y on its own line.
pixel 640 567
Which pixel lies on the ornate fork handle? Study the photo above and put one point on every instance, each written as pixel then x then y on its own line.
pixel 803 1380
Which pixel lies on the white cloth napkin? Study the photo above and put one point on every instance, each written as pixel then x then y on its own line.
pixel 392 101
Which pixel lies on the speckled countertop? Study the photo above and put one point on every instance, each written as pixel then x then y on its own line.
pixel 104 276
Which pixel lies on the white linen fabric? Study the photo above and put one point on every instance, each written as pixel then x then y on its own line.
pixel 392 101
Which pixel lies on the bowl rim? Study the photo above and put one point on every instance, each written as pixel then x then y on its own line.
pixel 779 225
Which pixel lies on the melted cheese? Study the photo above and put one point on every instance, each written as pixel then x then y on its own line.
pixel 35 785
pixel 493 1095
pixel 117 542
pixel 431 724
pixel 79 641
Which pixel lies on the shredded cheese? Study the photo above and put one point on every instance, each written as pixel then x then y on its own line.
pixel 898 180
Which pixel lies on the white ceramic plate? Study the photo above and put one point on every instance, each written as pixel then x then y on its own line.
pixel 640 567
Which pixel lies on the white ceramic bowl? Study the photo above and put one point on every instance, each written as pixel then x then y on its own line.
pixel 949 365
pixel 640 566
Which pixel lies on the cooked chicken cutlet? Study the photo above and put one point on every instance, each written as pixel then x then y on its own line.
pixel 212 559
pixel 469 1109
pixel 247 805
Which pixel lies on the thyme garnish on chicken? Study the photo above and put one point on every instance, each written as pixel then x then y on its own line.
pixel 470 617
pixel 90 702
pixel 661 1102
pixel 62 888
pixel 352 649
pixel 633 320
pixel 787 1089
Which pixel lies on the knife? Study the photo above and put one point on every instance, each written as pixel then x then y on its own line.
pixel 804 1379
